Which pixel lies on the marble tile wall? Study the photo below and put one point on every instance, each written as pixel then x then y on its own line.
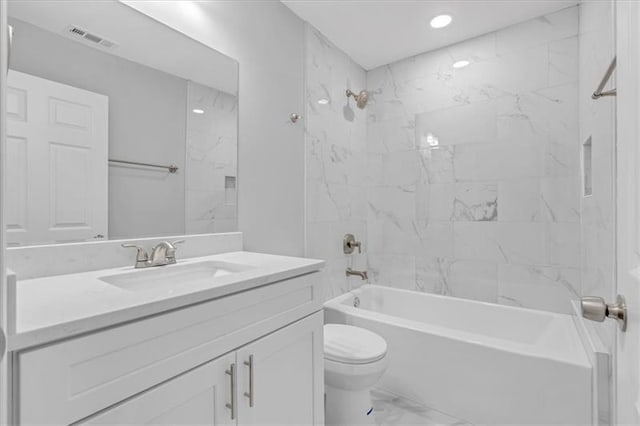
pixel 473 174
pixel 335 139
pixel 597 121
pixel 211 164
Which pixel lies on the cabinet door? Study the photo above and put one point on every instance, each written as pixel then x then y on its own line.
pixel 198 397
pixel 281 376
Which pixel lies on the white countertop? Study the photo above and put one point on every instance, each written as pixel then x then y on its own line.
pixel 58 307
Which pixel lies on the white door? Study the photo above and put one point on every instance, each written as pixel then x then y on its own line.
pixel 198 397
pixel 56 169
pixel 628 210
pixel 281 376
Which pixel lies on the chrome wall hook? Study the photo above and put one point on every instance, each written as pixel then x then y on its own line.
pixel 294 117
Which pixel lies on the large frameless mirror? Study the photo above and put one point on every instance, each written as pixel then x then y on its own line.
pixel 118 127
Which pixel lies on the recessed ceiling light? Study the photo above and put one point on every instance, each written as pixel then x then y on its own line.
pixel 323 101
pixel 198 111
pixel 461 64
pixel 441 21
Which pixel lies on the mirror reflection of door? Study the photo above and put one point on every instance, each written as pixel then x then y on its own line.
pixel 57 146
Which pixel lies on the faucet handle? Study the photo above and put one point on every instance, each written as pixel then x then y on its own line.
pixel 176 242
pixel 171 251
pixel 142 252
pixel 141 257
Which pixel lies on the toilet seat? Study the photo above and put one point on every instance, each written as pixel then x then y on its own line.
pixel 347 344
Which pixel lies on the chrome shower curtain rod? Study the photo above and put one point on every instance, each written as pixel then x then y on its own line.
pixel 605 79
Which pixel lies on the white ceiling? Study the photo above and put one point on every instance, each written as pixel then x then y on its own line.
pixel 378 32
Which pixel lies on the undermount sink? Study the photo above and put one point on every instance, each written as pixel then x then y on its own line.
pixel 173 275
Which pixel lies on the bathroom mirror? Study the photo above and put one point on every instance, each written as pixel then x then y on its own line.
pixel 117 127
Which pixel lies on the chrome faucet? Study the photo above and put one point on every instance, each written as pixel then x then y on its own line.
pixel 162 254
pixel 361 274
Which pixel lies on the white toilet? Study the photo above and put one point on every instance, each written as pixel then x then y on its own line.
pixel 354 360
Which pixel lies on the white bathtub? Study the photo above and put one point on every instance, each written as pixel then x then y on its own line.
pixel 481 362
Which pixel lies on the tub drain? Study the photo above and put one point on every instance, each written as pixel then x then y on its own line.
pixel 356 302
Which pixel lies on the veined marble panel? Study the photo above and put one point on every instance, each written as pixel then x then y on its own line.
pixel 523 243
pixel 464 179
pixel 474 280
pixel 520 200
pixel 498 161
pixel 475 202
pixel 563 244
pixel 468 123
pixel 538 287
pixel 402 168
pixel 435 202
pixel 395 270
pixel 392 410
pixel 330 162
pixel 438 164
pixel 337 161
pixel 477 241
pixel 542 30
pixel 563 62
pixel 392 202
pixel 432 274
pixel 501 242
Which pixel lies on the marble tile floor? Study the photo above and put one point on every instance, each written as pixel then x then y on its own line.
pixel 392 410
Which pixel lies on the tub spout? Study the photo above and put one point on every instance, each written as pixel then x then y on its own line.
pixel 361 274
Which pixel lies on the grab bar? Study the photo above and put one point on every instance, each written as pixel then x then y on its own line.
pixel 172 168
pixel 605 79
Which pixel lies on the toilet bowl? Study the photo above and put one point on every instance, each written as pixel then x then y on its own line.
pixel 354 361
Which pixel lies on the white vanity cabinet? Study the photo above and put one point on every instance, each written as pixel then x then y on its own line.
pixel 276 373
pixel 175 367
pixel 198 397
pixel 278 377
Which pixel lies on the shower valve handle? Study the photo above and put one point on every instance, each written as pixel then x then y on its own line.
pixel 349 244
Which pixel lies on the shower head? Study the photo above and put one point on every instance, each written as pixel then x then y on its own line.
pixel 361 98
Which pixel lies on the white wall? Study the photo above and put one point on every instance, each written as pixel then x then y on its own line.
pixel 268 41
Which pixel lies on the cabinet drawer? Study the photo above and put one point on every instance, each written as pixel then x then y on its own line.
pixel 67 381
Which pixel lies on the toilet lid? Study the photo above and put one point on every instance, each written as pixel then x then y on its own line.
pixel 352 345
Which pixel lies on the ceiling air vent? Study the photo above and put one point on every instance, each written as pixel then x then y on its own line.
pixel 92 38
